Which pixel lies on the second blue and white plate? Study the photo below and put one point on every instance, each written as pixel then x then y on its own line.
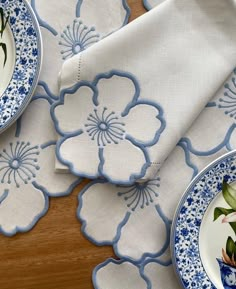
pixel 203 232
pixel 20 59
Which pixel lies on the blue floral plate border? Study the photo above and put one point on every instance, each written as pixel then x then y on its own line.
pixel 28 60
pixel 188 218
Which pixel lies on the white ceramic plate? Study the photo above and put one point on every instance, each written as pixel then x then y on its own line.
pixel 197 239
pixel 20 58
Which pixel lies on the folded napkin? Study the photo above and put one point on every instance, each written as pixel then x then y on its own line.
pixel 136 220
pixel 126 101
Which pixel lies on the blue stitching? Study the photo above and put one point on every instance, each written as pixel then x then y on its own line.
pixel 4 196
pixel 132 177
pixel 42 22
pixel 224 143
pixel 47 144
pixel 84 222
pixel 160 117
pixel 146 5
pixel 167 223
pixel 61 101
pixel 134 102
pixel 110 74
pixel 117 262
pixel 211 104
pixel 188 158
pixel 44 85
pixel 58 194
pixel 32 224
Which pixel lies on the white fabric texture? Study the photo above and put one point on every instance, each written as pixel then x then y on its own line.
pixel 136 220
pixel 27 149
pixel 169 62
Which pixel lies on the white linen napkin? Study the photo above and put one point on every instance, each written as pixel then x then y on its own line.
pixel 126 101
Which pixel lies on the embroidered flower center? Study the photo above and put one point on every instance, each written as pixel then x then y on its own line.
pixel 76 48
pixel 105 128
pixel 19 163
pixel 141 194
pixel 15 164
pixel 76 38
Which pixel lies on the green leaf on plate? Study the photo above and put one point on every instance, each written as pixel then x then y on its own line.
pixel 230 247
pixel 221 211
pixel 4 48
pixel 229 194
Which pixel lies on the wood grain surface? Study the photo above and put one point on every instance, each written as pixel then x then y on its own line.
pixel 54 255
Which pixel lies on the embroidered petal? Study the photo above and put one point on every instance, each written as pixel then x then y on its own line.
pixel 80 154
pixel 146 234
pixel 145 123
pixel 62 11
pixel 37 120
pixel 21 208
pixel 116 91
pixel 107 16
pixel 114 158
pixel 119 275
pixel 48 180
pixel 101 197
pixel 73 111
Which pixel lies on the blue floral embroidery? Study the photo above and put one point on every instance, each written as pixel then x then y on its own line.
pixel 77 38
pixel 141 194
pixel 228 101
pixel 106 126
pixel 19 163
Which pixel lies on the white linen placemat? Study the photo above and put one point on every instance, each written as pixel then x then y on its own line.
pixel 27 149
pixel 136 220
pixel 126 101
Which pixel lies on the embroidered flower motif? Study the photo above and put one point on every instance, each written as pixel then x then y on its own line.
pixel 77 38
pixel 18 163
pixel 107 127
pixel 141 194
pixel 228 102
pixel 64 37
pixel 119 225
pixel 27 176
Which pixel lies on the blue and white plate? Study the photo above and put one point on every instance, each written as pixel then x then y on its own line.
pixel 20 58
pixel 199 238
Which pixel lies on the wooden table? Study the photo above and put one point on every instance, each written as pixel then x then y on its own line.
pixel 54 255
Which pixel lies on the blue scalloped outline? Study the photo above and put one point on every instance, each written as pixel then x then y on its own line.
pixel 135 101
pixel 118 262
pixel 45 190
pixel 186 145
pixel 31 224
pixel 124 3
pixel 167 223
pixel 41 22
pixel 84 222
pixel 121 225
pixel 146 5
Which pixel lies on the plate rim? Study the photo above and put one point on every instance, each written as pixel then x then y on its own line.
pixel 178 207
pixel 33 87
